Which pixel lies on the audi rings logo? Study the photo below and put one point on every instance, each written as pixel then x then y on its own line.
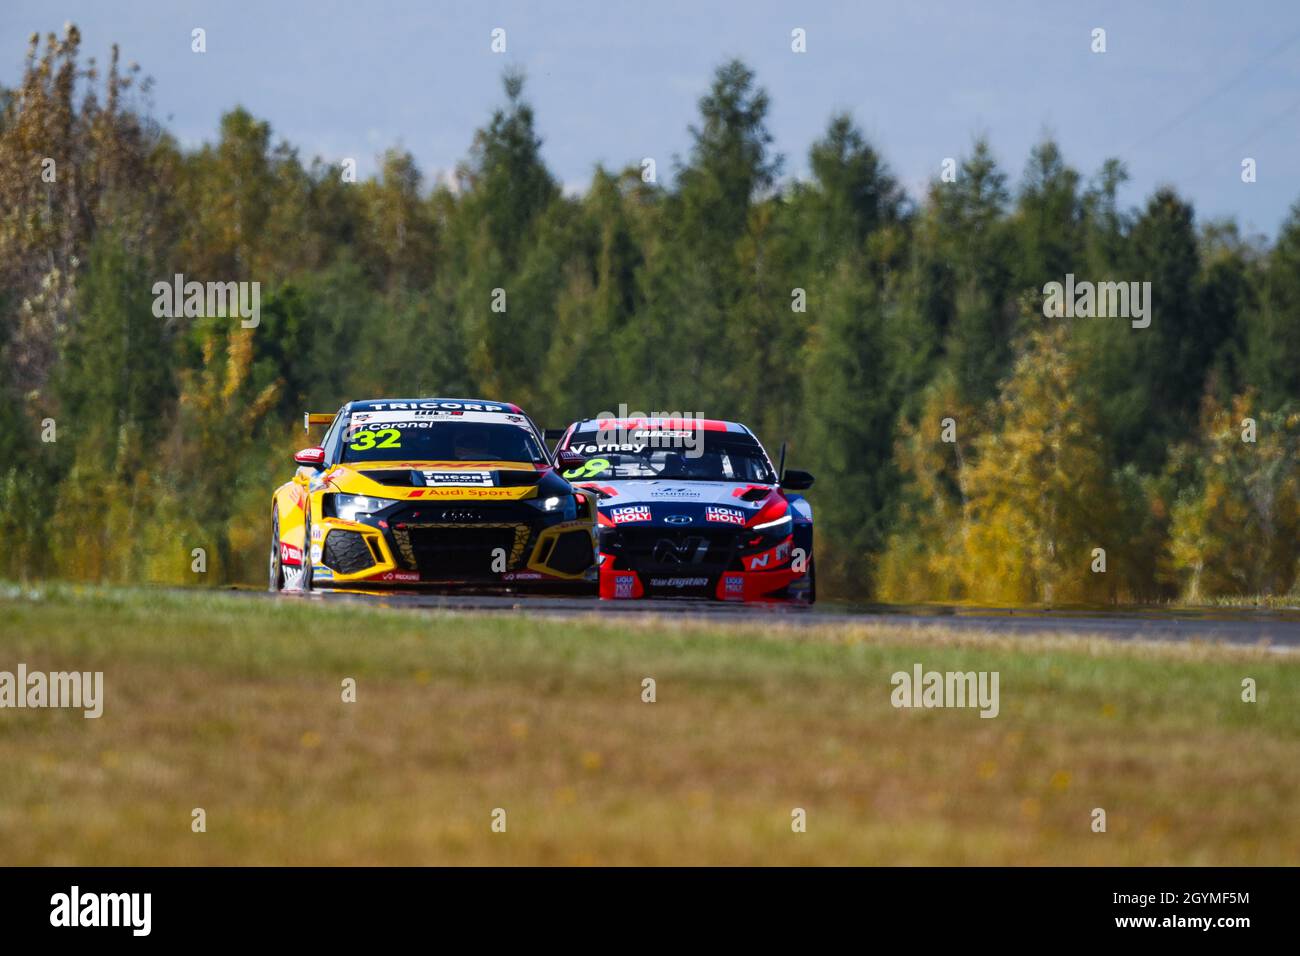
pixel 458 516
pixel 678 519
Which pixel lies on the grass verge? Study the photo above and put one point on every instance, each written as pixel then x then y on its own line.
pixel 233 704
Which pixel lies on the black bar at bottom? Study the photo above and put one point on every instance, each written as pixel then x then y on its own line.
pixel 332 906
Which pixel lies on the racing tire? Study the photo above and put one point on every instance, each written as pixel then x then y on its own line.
pixel 306 554
pixel 275 576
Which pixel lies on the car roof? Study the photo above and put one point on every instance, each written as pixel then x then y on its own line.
pixel 466 404
pixel 652 422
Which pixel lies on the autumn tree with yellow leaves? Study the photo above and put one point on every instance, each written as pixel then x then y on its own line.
pixel 1038 493
pixel 1238 531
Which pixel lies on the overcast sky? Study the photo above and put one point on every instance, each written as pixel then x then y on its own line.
pixel 1185 90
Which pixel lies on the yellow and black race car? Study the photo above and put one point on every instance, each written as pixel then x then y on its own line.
pixel 430 492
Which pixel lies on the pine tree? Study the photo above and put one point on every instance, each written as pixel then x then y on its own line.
pixel 117 370
pixel 502 232
pixel 850 409
pixel 1272 359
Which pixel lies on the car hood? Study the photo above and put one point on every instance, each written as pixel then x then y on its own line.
pixel 500 480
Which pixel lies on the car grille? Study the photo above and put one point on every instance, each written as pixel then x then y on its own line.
pixel 675 550
pixel 459 552
pixel 478 513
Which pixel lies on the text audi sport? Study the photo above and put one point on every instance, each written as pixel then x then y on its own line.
pixel 430 491
pixel 692 507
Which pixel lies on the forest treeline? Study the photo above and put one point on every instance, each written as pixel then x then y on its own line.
pixel 965 446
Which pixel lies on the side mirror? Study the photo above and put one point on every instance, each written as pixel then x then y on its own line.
pixel 567 458
pixel 313 457
pixel 794 480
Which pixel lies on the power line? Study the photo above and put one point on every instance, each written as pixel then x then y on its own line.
pixel 1249 140
pixel 1214 94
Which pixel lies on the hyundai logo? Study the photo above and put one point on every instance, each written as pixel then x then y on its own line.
pixel 678 519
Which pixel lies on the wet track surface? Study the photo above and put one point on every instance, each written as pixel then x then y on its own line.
pixel 1276 628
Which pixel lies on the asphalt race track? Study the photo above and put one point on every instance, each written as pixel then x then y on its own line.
pixel 1280 629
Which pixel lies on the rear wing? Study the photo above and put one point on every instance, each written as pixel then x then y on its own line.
pixel 316 418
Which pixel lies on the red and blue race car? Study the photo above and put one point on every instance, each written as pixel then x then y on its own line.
pixel 691 507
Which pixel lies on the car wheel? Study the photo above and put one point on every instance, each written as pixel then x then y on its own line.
pixel 306 555
pixel 812 583
pixel 276 575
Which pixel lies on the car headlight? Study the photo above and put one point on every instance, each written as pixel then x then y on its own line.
pixel 351 507
pixel 773 525
pixel 553 504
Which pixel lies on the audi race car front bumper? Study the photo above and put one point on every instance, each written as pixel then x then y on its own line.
pixel 465 543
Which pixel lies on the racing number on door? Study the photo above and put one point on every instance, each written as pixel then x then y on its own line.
pixel 366 440
pixel 588 469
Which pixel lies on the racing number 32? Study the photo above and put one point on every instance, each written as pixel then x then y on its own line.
pixel 588 469
pixel 365 440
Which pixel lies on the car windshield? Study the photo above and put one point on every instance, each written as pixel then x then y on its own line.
pixel 715 456
pixel 387 438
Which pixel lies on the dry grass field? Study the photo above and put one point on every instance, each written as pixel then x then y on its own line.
pixel 234 704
